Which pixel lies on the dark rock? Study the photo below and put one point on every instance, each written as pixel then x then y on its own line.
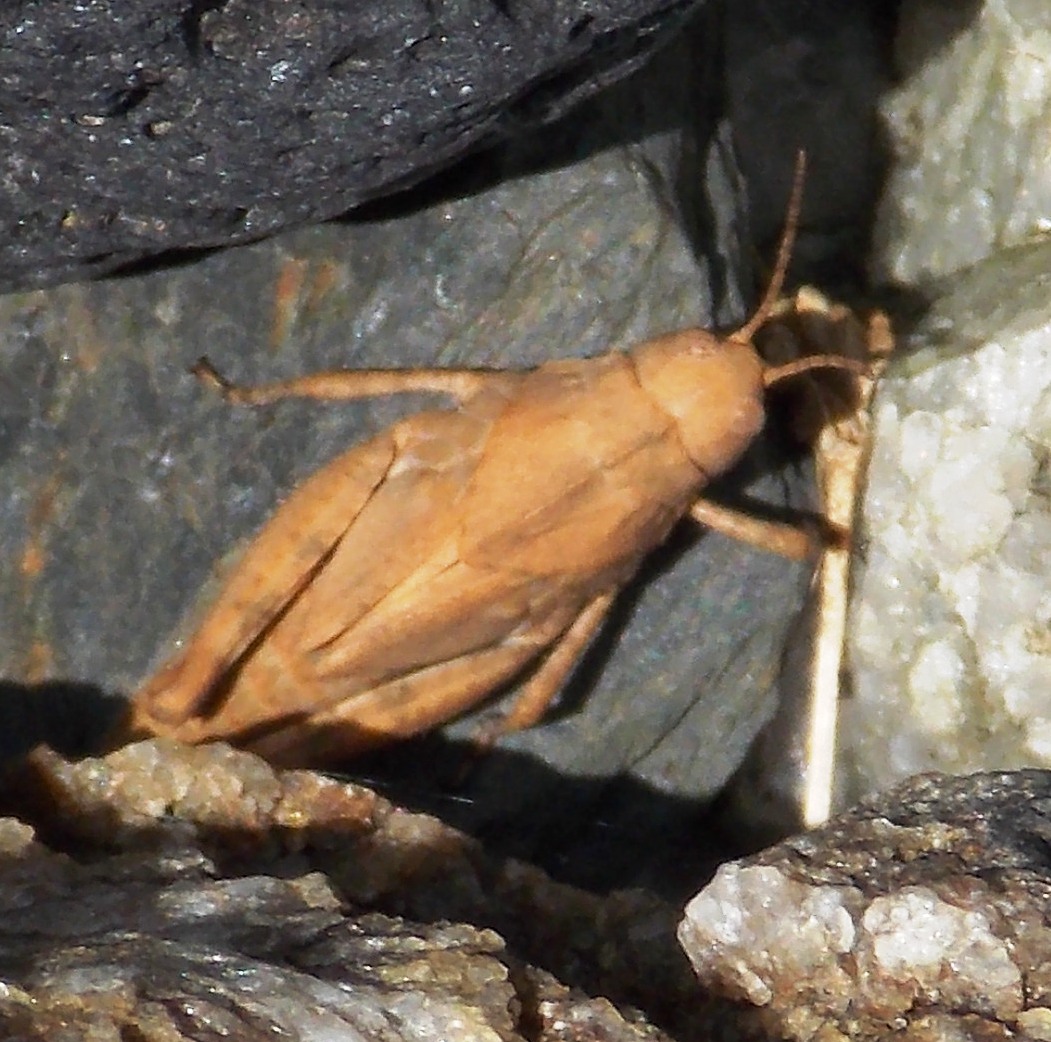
pixel 130 129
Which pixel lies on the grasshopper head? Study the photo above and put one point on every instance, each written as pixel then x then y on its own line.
pixel 712 389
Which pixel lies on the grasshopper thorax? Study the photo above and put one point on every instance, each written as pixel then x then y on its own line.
pixel 711 388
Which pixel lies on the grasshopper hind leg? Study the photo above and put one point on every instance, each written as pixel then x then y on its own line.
pixel 349 384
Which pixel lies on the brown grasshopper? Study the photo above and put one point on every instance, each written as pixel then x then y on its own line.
pixel 420 571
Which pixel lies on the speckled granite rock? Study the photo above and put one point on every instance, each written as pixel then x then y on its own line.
pixel 921 913
pixel 949 656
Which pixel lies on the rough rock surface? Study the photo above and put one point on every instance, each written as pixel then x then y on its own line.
pixel 950 649
pixel 922 912
pixel 170 893
pixel 967 126
pixel 130 128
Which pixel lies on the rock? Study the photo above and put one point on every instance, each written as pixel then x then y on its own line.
pixel 966 126
pixel 919 912
pixel 134 129
pixel 180 893
pixel 951 661
pixel 810 76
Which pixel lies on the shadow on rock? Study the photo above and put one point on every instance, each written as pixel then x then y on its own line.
pixel 68 715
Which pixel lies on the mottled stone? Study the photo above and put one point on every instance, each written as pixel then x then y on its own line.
pixel 174 891
pixel 921 912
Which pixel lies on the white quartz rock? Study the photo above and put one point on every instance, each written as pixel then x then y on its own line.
pixel 951 628
pixel 969 128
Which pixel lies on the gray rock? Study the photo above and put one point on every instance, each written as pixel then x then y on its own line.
pixel 810 75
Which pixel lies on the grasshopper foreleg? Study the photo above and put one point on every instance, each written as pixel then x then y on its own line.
pixel 792 541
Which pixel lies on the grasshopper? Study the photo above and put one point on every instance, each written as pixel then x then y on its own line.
pixel 460 549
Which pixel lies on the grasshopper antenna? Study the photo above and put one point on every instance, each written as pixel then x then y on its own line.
pixel 784 254
pixel 775 374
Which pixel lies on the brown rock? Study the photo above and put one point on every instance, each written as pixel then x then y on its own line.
pixel 186 893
